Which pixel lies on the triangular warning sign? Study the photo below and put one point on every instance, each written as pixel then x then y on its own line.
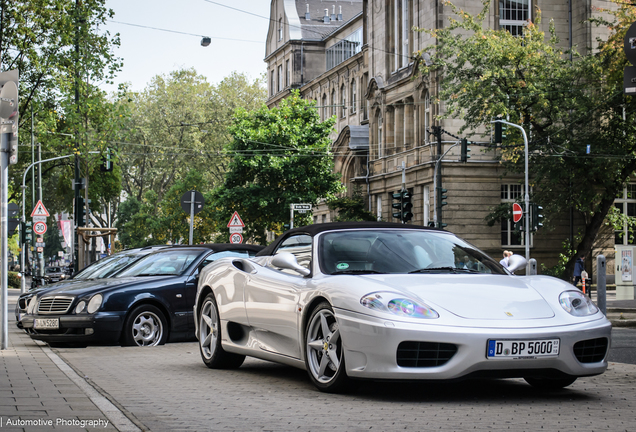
pixel 40 210
pixel 235 221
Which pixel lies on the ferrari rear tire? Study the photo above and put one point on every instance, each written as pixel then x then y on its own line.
pixel 550 383
pixel 324 352
pixel 212 353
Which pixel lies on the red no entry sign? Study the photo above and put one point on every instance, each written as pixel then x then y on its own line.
pixel 517 212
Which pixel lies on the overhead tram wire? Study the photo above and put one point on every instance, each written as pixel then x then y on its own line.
pixel 183 33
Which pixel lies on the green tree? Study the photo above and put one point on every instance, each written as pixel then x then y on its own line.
pixel 279 156
pixel 564 105
pixel 59 48
pixel 177 123
pixel 52 242
pixel 352 208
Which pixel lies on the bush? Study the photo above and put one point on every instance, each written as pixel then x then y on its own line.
pixel 13 279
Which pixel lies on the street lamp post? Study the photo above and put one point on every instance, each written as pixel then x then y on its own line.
pixel 526 211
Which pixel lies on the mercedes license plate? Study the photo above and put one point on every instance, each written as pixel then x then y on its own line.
pixel 522 348
pixel 46 323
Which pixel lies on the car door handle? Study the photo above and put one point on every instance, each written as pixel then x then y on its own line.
pixel 179 296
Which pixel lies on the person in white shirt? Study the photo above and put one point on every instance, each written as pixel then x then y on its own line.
pixel 504 260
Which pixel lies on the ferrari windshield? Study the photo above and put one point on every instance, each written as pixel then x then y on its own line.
pixel 169 262
pixel 400 251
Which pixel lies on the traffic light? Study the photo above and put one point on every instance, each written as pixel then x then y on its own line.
pixel 80 212
pixel 500 128
pixel 9 111
pixel 441 196
pixel 397 206
pixel 107 162
pixel 465 150
pixel 403 206
pixel 537 217
pixel 13 220
pixel 407 206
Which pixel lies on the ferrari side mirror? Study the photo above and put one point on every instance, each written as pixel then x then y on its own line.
pixel 286 260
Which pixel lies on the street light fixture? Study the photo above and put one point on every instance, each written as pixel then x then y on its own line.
pixel 205 41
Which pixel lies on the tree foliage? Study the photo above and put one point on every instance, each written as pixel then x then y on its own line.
pixel 179 122
pixel 279 156
pixel 63 55
pixel 352 208
pixel 564 105
pixel 152 221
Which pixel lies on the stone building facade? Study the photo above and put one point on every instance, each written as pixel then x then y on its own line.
pixel 354 58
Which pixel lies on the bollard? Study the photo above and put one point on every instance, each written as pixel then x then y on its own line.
pixel 601 283
pixel 533 266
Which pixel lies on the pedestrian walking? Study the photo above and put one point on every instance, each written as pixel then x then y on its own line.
pixel 579 267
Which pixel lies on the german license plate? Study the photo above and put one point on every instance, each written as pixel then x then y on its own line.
pixel 523 348
pixel 46 323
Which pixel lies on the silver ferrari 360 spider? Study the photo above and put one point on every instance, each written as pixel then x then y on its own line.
pixel 388 301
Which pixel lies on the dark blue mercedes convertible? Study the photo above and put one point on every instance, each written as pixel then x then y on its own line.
pixel 147 304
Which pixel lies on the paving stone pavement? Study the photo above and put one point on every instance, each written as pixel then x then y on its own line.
pixel 34 389
pixel 168 388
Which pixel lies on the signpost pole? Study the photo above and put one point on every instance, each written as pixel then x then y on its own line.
pixel 291 216
pixel 191 216
pixel 4 168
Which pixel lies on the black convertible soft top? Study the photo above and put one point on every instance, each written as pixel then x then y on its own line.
pixel 314 229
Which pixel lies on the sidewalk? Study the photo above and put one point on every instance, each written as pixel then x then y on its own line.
pixel 38 391
pixel 622 313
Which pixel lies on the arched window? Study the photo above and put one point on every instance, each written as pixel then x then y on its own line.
pixel 427 116
pixel 280 29
pixel 343 97
pixel 324 107
pixel 333 102
pixel 353 96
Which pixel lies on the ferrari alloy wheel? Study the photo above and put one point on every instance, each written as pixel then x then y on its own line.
pixel 212 353
pixel 145 326
pixel 324 356
pixel 550 383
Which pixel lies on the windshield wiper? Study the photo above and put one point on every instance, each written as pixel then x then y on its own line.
pixel 360 271
pixel 449 269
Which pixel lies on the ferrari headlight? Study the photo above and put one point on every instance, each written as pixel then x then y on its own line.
pixel 80 307
pixel 576 303
pixel 397 304
pixel 94 303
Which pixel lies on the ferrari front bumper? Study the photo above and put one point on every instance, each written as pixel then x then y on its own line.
pixel 371 347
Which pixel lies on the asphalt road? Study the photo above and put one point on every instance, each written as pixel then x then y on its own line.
pixel 623 347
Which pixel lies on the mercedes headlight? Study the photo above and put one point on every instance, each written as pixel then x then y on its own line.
pixel 397 304
pixel 94 303
pixel 80 307
pixel 576 303
pixel 31 306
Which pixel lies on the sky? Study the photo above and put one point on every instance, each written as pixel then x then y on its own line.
pixel 238 38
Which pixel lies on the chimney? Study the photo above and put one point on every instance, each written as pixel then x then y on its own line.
pixel 307 16
pixel 340 13
pixel 325 19
pixel 333 13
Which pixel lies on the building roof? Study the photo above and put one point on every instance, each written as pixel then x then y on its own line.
pixel 315 28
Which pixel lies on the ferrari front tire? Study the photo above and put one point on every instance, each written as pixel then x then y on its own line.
pixel 212 353
pixel 324 354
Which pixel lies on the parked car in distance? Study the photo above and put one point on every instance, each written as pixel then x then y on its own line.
pixel 106 267
pixel 147 304
pixel 386 301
